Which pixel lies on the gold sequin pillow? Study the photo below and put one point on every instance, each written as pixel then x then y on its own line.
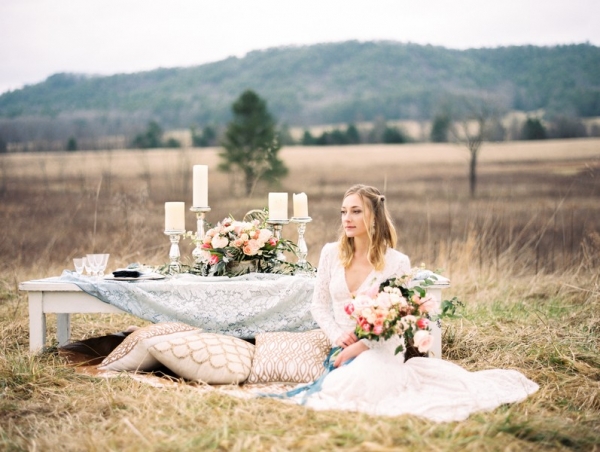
pixel 206 357
pixel 132 354
pixel 289 357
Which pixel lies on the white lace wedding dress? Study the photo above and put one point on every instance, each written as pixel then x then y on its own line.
pixel 380 383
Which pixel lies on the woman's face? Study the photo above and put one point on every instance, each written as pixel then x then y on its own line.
pixel 353 216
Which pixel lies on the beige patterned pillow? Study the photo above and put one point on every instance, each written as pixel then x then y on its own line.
pixel 206 357
pixel 132 354
pixel 289 357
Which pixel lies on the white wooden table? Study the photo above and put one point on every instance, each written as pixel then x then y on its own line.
pixel 62 299
pixel 65 298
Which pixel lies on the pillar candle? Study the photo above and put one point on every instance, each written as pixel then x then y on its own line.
pixel 278 206
pixel 174 216
pixel 200 186
pixel 300 205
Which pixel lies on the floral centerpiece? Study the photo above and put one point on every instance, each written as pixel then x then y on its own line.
pixel 396 308
pixel 232 248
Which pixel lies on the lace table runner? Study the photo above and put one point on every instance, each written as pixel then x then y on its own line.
pixel 242 306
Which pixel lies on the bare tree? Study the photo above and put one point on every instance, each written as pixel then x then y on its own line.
pixel 471 120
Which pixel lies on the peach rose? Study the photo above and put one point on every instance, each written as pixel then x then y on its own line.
pixel 251 248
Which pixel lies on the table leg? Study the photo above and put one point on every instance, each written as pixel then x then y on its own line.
pixel 63 328
pixel 37 322
pixel 436 347
pixel 436 332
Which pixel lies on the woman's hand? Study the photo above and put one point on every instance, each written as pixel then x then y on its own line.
pixel 350 352
pixel 346 339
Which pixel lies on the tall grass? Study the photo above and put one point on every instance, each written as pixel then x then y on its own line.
pixel 523 256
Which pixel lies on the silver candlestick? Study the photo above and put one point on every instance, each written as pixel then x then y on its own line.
pixel 277 226
pixel 302 248
pixel 174 254
pixel 200 214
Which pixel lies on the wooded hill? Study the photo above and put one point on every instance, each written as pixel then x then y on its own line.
pixel 319 84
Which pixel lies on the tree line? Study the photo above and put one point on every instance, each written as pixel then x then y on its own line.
pixel 153 135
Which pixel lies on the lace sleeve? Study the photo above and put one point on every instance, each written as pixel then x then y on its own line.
pixel 322 304
pixel 396 264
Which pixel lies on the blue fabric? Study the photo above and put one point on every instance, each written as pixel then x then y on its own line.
pixel 242 306
pixel 316 385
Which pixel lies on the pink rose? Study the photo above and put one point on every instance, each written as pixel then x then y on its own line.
pixel 384 300
pixel 378 329
pixel 349 308
pixel 214 259
pixel 265 234
pixel 372 292
pixel 272 241
pixel 423 340
pixel 428 305
pixel 422 323
pixel 219 242
pixel 362 301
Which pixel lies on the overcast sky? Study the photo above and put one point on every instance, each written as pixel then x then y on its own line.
pixel 39 38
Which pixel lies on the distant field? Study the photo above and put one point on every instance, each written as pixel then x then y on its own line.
pixel 52 201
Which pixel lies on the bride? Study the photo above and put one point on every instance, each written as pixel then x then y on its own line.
pixel 367 375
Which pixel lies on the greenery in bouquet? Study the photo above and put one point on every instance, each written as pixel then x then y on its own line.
pixel 233 248
pixel 396 307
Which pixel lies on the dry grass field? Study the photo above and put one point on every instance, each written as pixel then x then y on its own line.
pixel 524 256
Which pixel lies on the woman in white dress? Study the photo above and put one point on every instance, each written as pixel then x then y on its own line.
pixel 368 376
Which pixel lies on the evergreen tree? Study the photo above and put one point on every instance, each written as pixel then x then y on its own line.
pixel 393 135
pixel 251 142
pixel 337 137
pixel 151 138
pixel 533 129
pixel 352 135
pixel 308 139
pixel 72 144
pixel 207 138
pixel 440 129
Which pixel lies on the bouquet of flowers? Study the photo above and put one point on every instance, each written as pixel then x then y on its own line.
pixel 229 243
pixel 396 308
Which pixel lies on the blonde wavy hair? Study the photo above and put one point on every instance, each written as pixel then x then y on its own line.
pixel 380 229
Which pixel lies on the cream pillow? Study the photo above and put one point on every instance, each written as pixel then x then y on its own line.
pixel 206 357
pixel 289 357
pixel 132 354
